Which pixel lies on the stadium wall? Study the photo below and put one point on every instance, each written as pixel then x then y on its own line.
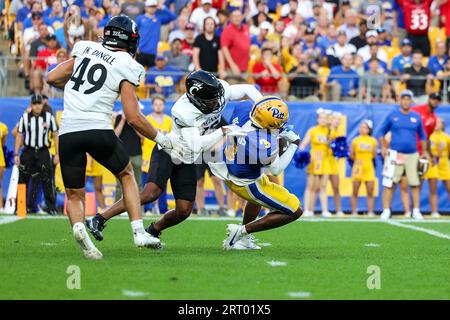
pixel 302 116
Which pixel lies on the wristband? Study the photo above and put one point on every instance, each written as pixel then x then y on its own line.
pixel 159 139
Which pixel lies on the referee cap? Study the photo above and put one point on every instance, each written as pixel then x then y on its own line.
pixel 36 98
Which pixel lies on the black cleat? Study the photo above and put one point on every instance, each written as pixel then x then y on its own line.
pixel 150 229
pixel 96 226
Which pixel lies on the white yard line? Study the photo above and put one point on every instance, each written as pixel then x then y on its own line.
pixel 5 220
pixel 420 229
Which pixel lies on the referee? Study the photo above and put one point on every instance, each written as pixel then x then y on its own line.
pixel 35 127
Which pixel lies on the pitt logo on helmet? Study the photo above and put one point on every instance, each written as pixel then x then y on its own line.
pixel 269 112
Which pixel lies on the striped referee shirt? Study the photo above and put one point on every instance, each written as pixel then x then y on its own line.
pixel 36 129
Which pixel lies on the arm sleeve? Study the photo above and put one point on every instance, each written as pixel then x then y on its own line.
pixel 240 91
pixel 198 143
pixel 280 163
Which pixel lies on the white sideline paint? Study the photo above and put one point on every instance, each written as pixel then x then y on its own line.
pixel 277 263
pixel 372 245
pixel 265 244
pixel 5 220
pixel 129 293
pixel 420 229
pixel 299 294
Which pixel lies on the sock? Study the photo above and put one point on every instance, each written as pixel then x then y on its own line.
pixel 387 211
pixel 243 231
pixel 78 225
pixel 137 226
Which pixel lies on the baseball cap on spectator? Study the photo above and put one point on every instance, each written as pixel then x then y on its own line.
pixel 176 36
pixel 435 96
pixel 406 93
pixel 190 26
pixel 371 33
pixel 341 32
pixel 206 1
pixel 61 51
pixel 406 42
pixel 36 98
pixel 316 3
pixel 151 3
pixel 160 57
pixel 381 30
pixel 345 2
pixel 369 123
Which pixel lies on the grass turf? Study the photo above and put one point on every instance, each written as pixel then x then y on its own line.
pixel 325 260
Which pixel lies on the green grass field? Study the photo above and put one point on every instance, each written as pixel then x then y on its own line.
pixel 322 260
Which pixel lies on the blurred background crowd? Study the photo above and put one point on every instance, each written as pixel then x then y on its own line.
pixel 331 50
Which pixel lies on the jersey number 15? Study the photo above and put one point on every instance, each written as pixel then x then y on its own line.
pixel 81 70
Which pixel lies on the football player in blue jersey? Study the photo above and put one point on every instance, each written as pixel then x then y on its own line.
pixel 248 158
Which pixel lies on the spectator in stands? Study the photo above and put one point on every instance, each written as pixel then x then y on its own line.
pixel 87 6
pixel 75 27
pixel 360 40
pixel 266 73
pixel 437 62
pixel 316 11
pixel 112 11
pixel 404 59
pixel 207 54
pixel 179 28
pixel 150 30
pixel 365 52
pixel 162 79
pixel 418 78
pixel 260 17
pixel 235 45
pixel 417 17
pixel 199 14
pixel 3 135
pixel 322 25
pixel 133 8
pixel 374 83
pixel 243 6
pixel 328 40
pixel 295 29
pixel 310 46
pixel 175 57
pixel 304 82
pixel 222 16
pixel 36 7
pixel 404 126
pixel 277 34
pixel 444 77
pixel 399 30
pixel 339 49
pixel 384 39
pixel 374 52
pixel 350 26
pixel 343 7
pixel 259 39
pixel 343 82
pixel 445 13
pixel 61 56
pixel 56 14
pixel 22 13
pixel 45 58
pixel 189 39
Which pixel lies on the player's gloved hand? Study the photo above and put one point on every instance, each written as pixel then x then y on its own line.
pixel 233 131
pixel 171 141
pixel 290 136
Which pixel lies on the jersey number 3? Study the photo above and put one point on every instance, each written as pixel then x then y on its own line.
pixel 81 70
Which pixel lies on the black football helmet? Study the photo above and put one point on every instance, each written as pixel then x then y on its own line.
pixel 205 91
pixel 121 32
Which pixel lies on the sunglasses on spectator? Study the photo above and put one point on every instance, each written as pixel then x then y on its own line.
pixel 36 18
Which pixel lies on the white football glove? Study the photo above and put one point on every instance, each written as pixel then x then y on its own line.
pixel 234 131
pixel 171 141
pixel 289 135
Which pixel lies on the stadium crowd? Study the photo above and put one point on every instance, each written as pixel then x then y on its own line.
pixel 301 49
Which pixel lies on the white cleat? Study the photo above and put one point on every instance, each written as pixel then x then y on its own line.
pixel 385 215
pixel 326 214
pixel 340 214
pixel 234 234
pixel 417 215
pixel 435 215
pixel 146 240
pixel 246 243
pixel 308 214
pixel 90 251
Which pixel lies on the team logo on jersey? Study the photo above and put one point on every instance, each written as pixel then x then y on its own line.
pixel 265 143
pixel 195 87
pixel 413 120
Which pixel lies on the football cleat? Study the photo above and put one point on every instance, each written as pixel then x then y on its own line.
pixel 246 243
pixel 146 240
pixel 234 234
pixel 86 245
pixel 96 226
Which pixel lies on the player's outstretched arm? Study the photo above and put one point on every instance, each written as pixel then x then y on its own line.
pixel 137 120
pixel 59 76
pixel 240 91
